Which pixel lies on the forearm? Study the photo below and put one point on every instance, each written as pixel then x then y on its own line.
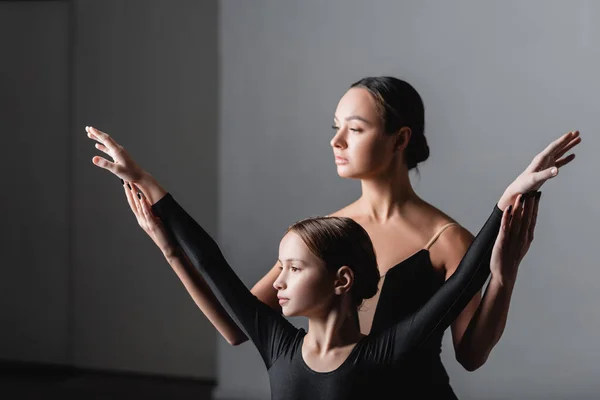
pixel 487 325
pixel 204 298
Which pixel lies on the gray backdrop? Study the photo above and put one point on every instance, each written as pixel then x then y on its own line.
pixel 499 80
pixel 229 104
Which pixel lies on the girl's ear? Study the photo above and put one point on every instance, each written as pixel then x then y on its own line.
pixel 344 279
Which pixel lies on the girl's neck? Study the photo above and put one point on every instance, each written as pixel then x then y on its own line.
pixel 337 328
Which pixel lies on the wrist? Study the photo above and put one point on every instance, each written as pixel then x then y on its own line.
pixel 503 280
pixel 171 253
pixel 507 198
pixel 151 188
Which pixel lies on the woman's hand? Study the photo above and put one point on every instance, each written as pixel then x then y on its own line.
pixel 515 237
pixel 149 222
pixel 544 166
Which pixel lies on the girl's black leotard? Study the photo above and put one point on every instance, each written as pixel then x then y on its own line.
pixel 365 373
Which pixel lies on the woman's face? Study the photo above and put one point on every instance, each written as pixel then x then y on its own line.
pixel 360 146
pixel 304 285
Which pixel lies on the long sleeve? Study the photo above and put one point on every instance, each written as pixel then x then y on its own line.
pixel 269 331
pixel 454 295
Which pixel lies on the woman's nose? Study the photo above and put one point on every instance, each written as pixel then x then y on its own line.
pixel 337 141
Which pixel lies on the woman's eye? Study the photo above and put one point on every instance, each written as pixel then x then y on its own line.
pixel 335 128
pixel 293 269
pixel 356 130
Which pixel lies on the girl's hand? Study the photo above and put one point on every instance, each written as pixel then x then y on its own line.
pixel 122 165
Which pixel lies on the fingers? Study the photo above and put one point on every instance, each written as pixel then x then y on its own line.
pixel 539 178
pixel 104 163
pixel 102 148
pixel 564 161
pixel 101 137
pixel 130 198
pixel 559 143
pixel 574 142
pixel 146 209
pixel 515 222
pixel 135 194
pixel 500 244
pixel 504 225
pixel 534 214
pixel 528 207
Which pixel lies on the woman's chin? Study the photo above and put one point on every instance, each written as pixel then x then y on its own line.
pixel 345 172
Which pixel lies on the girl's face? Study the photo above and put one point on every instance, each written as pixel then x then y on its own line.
pixel 304 287
pixel 360 146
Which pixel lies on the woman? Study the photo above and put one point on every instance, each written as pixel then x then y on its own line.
pixel 379 137
pixel 328 267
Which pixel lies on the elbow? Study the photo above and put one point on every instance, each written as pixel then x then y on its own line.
pixel 236 341
pixel 471 362
pixel 234 338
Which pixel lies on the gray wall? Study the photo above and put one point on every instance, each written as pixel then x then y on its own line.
pixel 499 80
pixel 34 171
pixel 81 283
pixel 145 72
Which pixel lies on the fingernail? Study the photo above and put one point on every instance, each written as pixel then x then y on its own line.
pixel 122 183
pixel 554 171
pixel 129 186
pixel 139 196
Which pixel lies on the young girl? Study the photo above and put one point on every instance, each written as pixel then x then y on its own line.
pixel 333 359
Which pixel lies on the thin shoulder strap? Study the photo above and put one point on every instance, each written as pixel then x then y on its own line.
pixel 438 233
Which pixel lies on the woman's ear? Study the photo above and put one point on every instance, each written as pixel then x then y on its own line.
pixel 402 139
pixel 344 279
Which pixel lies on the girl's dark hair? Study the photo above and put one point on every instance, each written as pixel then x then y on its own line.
pixel 340 241
pixel 400 105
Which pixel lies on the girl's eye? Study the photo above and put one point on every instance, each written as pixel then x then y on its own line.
pixel 293 269
pixel 335 128
pixel 356 130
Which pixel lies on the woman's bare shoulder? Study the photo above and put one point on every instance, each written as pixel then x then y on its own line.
pixel 349 211
pixel 437 220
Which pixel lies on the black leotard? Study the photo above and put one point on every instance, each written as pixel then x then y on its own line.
pixel 406 288
pixel 365 372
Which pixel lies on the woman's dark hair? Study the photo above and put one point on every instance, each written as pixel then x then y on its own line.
pixel 341 241
pixel 400 105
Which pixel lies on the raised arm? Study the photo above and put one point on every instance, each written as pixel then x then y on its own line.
pixel 501 230
pixel 443 307
pixel 480 326
pixel 265 327
pixel 268 329
pixel 193 282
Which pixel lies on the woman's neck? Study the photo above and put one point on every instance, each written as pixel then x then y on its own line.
pixel 386 194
